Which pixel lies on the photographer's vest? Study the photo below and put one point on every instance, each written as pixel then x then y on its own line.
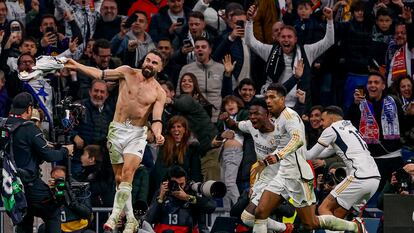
pixel 175 217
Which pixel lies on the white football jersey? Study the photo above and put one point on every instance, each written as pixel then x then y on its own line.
pixel 291 145
pixel 264 144
pixel 349 145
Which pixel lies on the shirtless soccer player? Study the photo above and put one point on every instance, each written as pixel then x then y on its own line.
pixel 294 179
pixel 139 94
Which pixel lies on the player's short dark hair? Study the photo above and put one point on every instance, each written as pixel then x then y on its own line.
pixel 259 102
pixel 100 44
pixel 334 110
pixel 246 81
pixel 159 54
pixel 279 88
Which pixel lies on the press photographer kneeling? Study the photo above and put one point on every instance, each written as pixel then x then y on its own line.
pixel 402 182
pixel 30 149
pixel 178 203
pixel 74 200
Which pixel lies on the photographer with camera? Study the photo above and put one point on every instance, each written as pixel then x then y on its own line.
pixel 30 149
pixel 176 206
pixel 401 182
pixel 75 206
pixel 327 181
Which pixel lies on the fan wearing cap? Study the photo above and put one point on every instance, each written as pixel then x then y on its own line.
pixel 30 150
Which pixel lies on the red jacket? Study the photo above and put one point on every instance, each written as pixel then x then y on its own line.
pixel 148 7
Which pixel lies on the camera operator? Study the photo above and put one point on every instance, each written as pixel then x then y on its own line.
pixel 175 207
pixel 76 210
pixel 30 149
pixel 402 182
pixel 327 181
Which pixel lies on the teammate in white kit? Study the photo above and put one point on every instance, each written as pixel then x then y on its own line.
pixel 295 178
pixel 341 137
pixel 264 137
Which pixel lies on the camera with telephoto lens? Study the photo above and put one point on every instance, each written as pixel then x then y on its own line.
pixel 67 192
pixel 335 178
pixel 210 188
pixel 404 178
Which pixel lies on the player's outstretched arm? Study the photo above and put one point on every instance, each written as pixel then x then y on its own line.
pixel 87 70
pixel 319 151
pixel 156 124
pixel 116 74
pixel 323 149
pixel 108 75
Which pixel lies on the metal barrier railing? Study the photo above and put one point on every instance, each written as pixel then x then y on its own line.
pixel 98 210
